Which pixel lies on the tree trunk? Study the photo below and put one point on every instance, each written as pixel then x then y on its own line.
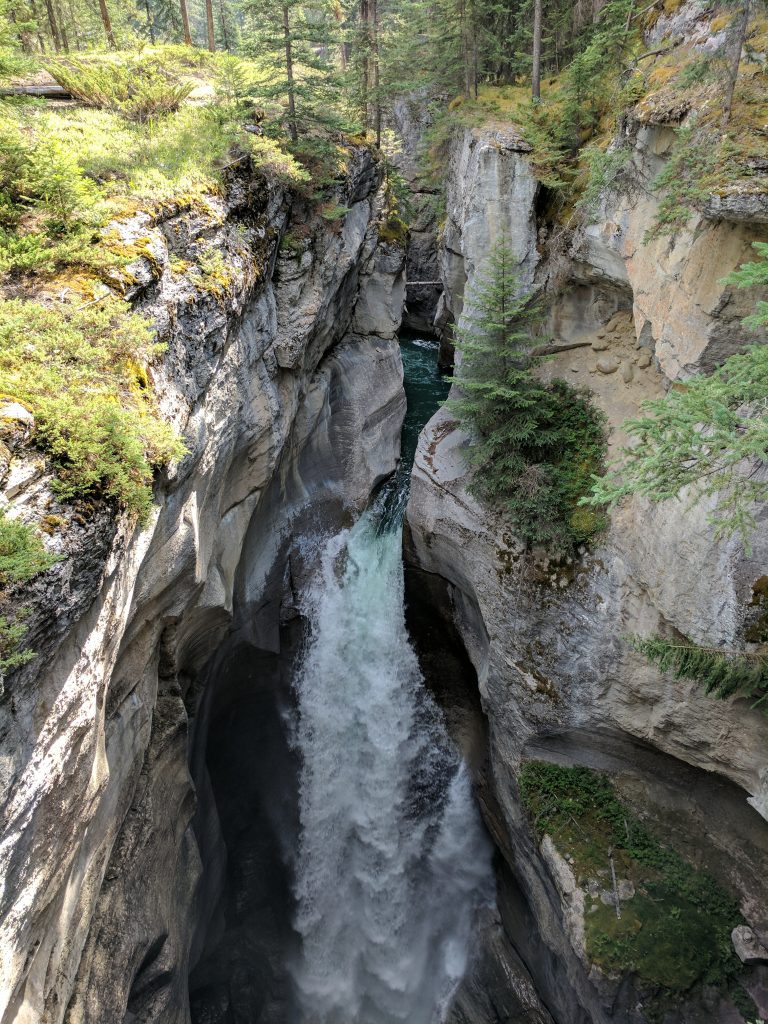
pixel 223 19
pixel 289 73
pixel 465 55
pixel 472 50
pixel 106 22
pixel 376 77
pixel 185 22
pixel 62 30
pixel 536 69
pixel 52 24
pixel 209 23
pixel 150 26
pixel 365 63
pixel 73 19
pixel 733 70
pixel 35 15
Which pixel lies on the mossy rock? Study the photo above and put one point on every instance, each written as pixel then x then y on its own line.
pixel 674 932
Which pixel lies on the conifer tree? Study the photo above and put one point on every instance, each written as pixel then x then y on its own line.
pixel 532 443
pixel 292 39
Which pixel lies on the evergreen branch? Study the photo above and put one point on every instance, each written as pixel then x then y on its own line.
pixel 722 672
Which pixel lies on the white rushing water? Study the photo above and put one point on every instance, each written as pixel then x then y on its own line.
pixel 393 859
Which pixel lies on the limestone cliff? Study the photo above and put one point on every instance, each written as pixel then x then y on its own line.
pixel 557 679
pixel 287 387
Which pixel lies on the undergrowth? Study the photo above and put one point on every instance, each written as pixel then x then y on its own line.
pixel 138 88
pixel 675 932
pixel 82 372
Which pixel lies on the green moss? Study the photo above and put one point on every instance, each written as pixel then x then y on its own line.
pixel 22 557
pixel 675 932
pixel 394 231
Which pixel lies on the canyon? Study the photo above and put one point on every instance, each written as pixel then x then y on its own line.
pixel 160 752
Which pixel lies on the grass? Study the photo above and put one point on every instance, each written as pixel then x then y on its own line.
pixel 675 932
pixel 157 131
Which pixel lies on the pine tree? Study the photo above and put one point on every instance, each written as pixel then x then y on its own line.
pixel 292 38
pixel 532 443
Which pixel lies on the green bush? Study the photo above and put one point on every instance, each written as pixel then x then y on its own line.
pixel 22 554
pixel 754 275
pixel 536 446
pixel 82 374
pixel 136 88
pixel 605 171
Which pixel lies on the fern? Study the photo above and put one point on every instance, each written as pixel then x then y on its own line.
pixel 723 673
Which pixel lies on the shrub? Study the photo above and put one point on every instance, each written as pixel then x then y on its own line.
pixel 754 275
pixel 268 156
pixel 137 89
pixel 605 171
pixel 76 369
pixel 22 554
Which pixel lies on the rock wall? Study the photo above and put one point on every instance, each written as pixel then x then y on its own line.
pixel 682 308
pixel 410 119
pixel 558 681
pixel 490 193
pixel 280 405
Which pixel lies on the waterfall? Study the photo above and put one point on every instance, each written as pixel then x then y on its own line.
pixel 392 858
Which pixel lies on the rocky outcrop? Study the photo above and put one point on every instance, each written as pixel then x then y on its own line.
pixel 490 195
pixel 280 406
pixel 557 678
pixel 683 309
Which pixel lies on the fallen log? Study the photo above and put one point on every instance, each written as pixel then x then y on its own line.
pixel 49 91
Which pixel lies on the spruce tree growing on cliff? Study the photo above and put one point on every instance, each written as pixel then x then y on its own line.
pixel 535 445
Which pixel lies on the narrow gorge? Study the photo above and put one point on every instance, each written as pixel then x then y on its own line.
pixel 322 738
